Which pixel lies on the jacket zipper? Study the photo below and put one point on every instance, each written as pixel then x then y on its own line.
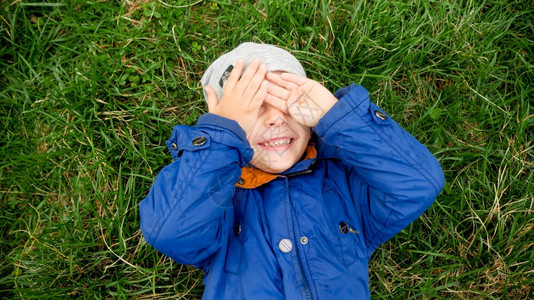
pixel 307 171
pixel 303 278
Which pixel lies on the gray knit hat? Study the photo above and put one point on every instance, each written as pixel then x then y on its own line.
pixel 275 58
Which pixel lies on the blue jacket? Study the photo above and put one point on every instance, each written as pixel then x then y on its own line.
pixel 307 233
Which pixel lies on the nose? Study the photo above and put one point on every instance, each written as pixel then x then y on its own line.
pixel 273 116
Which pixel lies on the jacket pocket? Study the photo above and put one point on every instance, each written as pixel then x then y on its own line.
pixel 349 242
pixel 234 251
pixel 342 227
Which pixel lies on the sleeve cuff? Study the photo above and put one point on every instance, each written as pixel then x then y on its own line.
pixel 350 98
pixel 210 120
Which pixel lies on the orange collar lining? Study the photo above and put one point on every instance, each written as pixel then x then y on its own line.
pixel 252 178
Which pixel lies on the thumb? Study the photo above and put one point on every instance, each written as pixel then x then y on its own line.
pixel 212 98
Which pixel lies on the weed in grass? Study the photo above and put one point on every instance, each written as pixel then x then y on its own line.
pixel 89 92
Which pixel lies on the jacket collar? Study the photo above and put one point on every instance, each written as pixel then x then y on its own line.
pixel 252 177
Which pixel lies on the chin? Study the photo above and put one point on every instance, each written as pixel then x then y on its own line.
pixel 276 165
pixel 276 170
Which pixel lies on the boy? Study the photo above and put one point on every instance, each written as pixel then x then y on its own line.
pixel 283 190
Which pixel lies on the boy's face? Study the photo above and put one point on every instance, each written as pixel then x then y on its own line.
pixel 277 139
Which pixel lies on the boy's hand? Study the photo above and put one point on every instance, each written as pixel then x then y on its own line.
pixel 242 97
pixel 306 100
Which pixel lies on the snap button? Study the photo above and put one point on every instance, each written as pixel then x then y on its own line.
pixel 241 181
pixel 285 245
pixel 381 115
pixel 237 229
pixel 343 227
pixel 199 141
pixel 174 146
pixel 303 240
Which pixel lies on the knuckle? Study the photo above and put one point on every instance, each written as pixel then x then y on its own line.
pixel 254 86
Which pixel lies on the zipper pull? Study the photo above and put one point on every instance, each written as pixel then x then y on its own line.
pixel 344 228
pixel 354 230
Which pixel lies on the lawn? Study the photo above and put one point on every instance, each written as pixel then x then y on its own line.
pixel 90 90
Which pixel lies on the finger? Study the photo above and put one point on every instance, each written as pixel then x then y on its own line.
pixel 212 98
pixel 242 85
pixel 235 75
pixel 278 91
pixel 256 82
pixel 277 103
pixel 276 78
pixel 293 103
pixel 257 99
pixel 294 78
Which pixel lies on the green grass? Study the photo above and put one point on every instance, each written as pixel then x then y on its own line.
pixel 90 90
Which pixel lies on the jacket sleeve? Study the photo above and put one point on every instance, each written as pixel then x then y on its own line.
pixel 393 177
pixel 189 209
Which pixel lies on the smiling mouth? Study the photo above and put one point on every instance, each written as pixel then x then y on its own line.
pixel 278 142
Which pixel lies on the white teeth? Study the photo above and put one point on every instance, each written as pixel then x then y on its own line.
pixel 277 143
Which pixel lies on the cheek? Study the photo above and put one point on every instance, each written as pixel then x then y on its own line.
pixel 305 135
pixel 253 135
pixel 305 132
